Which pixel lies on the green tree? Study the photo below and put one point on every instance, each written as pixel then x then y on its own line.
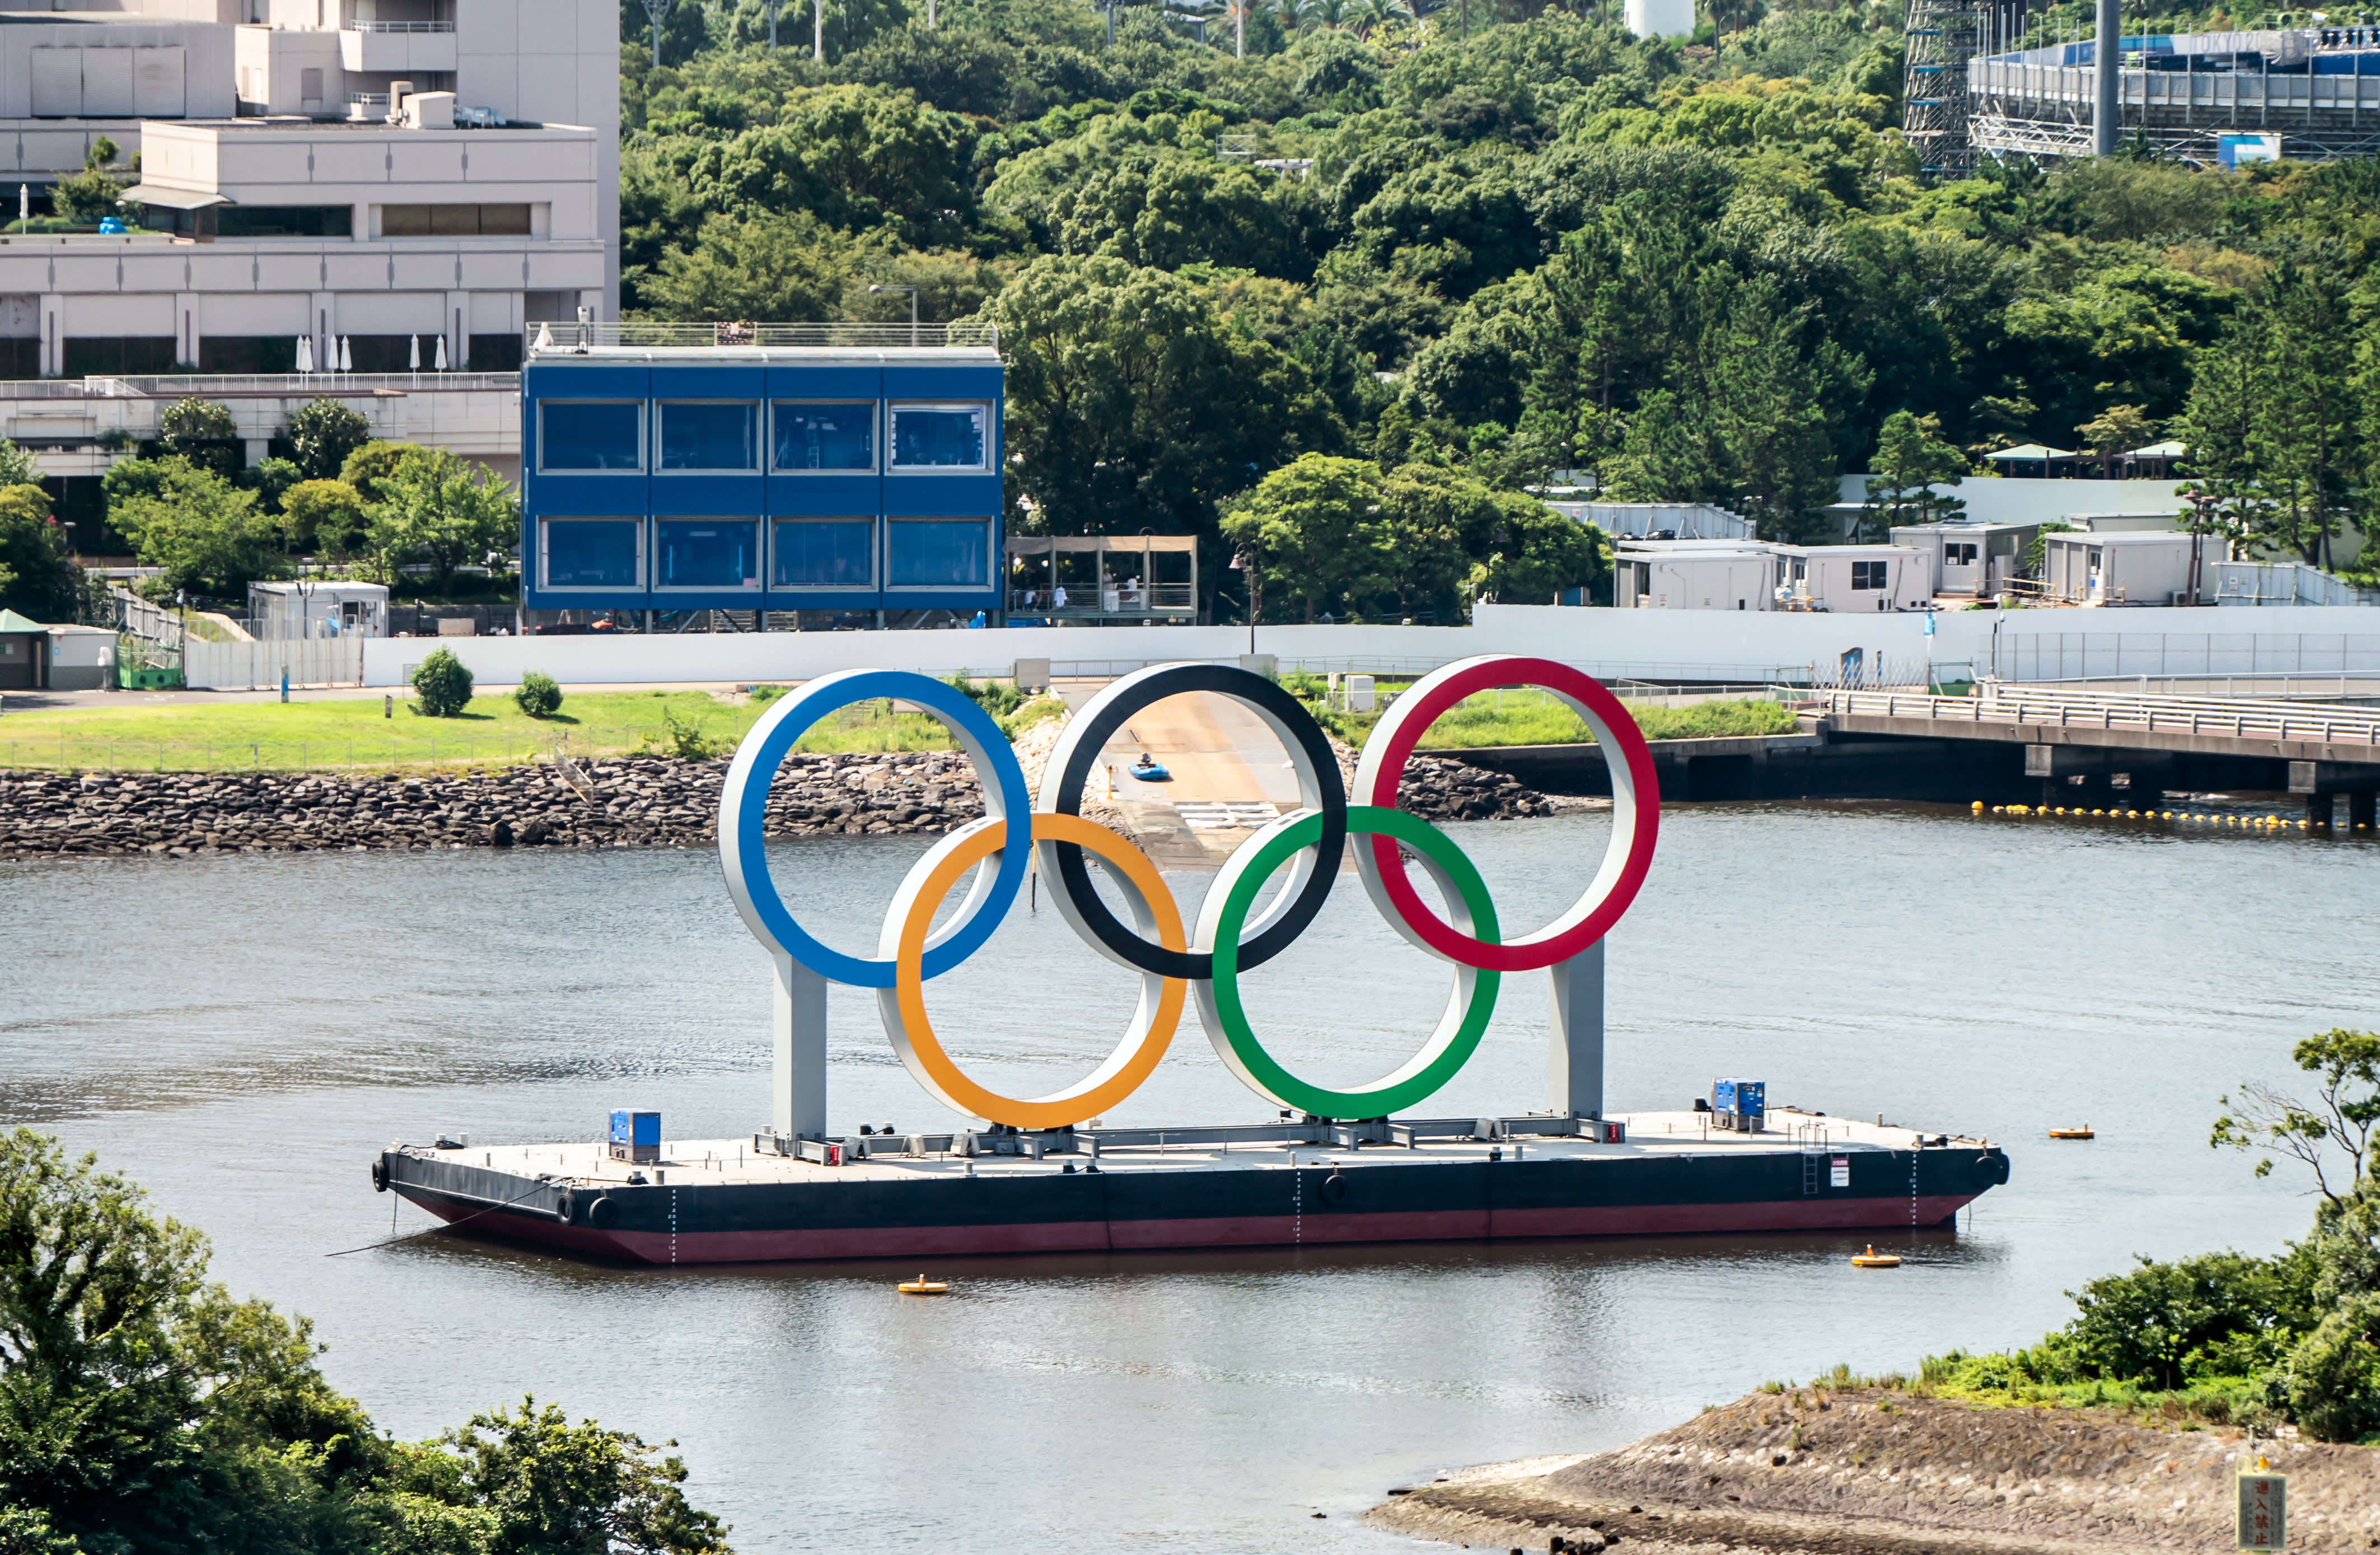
pixel 1911 460
pixel 1133 400
pixel 329 514
pixel 39 578
pixel 145 1411
pixel 2119 429
pixel 536 695
pixel 1536 553
pixel 788 267
pixel 442 684
pixel 17 466
pixel 322 433
pixel 372 463
pixel 202 533
pixel 201 432
pixel 439 508
pixel 1308 534
pixel 86 197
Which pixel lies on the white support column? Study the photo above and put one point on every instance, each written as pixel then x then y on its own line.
pixel 798 1082
pixel 54 346
pixel 1574 1052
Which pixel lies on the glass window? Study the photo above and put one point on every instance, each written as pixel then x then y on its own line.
pixel 952 553
pixel 937 436
pixel 826 436
pixel 823 554
pixel 706 553
pixel 1867 574
pixel 588 435
pixel 592 552
pixel 703 435
pixel 453 221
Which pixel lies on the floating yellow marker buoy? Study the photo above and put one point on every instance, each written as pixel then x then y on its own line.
pixel 2082 1133
pixel 1977 806
pixel 1874 1260
pixel 923 1286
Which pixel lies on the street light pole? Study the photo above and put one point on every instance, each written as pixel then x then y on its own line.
pixel 912 307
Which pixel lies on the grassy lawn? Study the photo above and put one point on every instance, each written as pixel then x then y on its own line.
pixel 1524 715
pixel 353 732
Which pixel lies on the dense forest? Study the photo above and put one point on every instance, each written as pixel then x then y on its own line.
pixel 1495 242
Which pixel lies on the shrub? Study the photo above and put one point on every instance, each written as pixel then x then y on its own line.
pixel 538 695
pixel 443 684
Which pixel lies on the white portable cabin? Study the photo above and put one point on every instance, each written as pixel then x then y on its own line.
pixel 2115 569
pixel 279 611
pixel 1977 559
pixel 1696 575
pixel 1866 579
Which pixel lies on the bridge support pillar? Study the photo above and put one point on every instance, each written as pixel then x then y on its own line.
pixel 2319 808
pixel 1574 1054
pixel 797 1083
pixel 2363 809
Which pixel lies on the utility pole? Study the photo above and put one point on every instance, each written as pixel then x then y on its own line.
pixel 1239 29
pixel 2105 59
pixel 772 24
pixel 818 30
pixel 659 11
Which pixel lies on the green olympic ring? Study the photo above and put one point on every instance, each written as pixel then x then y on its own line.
pixel 1467 1008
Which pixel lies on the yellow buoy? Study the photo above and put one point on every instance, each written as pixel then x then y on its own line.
pixel 1874 1260
pixel 923 1286
pixel 1977 806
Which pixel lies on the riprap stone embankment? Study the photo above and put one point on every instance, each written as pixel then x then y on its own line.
pixel 625 802
pixel 1879 1472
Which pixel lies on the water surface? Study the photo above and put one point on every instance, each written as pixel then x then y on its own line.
pixel 241 1035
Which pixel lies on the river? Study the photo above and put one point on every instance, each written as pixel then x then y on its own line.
pixel 241 1034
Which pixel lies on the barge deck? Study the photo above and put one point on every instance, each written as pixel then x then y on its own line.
pixel 919 1195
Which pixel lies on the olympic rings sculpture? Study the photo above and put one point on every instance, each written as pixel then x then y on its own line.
pixel 1310 842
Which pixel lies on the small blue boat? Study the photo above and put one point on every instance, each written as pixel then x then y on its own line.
pixel 1148 770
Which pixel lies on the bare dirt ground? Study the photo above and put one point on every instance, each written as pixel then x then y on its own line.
pixel 1875 1472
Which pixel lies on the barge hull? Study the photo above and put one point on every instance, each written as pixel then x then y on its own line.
pixel 691 1216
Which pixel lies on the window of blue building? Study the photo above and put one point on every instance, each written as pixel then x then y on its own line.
pixel 940 437
pixel 822 554
pixel 706 553
pixel 939 553
pixel 710 435
pixel 592 553
pixel 591 434
pixel 840 436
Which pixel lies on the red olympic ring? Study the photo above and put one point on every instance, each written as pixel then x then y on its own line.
pixel 1635 813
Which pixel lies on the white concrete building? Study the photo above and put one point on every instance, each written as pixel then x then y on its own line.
pixel 281 202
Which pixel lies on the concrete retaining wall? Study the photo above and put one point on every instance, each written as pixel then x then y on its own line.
pixel 1738 646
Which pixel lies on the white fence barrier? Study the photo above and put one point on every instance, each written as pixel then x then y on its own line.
pixel 251 666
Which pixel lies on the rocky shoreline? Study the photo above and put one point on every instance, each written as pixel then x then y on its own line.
pixel 631 801
pixel 1882 1472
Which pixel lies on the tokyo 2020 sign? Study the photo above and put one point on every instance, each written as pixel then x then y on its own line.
pixel 1175 963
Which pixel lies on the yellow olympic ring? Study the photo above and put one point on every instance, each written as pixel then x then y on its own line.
pixel 903 1004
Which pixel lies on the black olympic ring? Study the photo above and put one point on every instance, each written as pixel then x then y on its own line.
pixel 1089 737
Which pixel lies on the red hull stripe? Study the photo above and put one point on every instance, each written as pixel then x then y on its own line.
pixel 1255 1231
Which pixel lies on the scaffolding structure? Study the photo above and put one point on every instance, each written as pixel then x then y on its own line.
pixel 1939 40
pixel 2317 102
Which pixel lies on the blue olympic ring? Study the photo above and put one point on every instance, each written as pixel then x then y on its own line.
pixel 743 807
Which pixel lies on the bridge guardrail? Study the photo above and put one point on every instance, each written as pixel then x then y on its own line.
pixel 2276 721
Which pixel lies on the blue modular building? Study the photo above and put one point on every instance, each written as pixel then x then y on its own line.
pixel 771 468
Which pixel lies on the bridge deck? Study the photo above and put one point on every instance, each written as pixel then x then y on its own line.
pixel 2181 724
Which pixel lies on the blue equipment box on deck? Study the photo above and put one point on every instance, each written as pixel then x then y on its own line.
pixel 1739 1105
pixel 636 1136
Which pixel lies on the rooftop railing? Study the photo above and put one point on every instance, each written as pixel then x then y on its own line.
pixel 400 27
pixel 558 340
pixel 254 384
